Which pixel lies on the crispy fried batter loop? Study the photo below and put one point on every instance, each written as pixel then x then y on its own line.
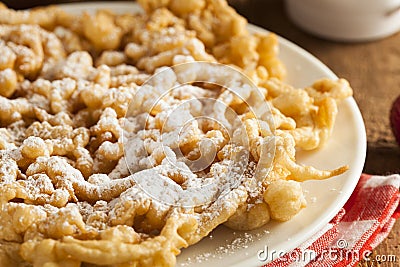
pixel 69 194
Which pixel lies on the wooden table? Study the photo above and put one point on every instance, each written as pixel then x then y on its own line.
pixel 372 68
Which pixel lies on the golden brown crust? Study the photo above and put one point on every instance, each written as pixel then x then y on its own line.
pixel 69 190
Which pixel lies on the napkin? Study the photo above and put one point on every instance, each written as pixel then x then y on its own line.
pixel 364 221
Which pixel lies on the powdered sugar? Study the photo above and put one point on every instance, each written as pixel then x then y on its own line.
pixel 173 124
pixel 241 241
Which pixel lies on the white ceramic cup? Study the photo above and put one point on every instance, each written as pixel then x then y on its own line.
pixel 346 20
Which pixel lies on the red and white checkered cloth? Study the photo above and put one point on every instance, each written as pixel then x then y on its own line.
pixel 360 226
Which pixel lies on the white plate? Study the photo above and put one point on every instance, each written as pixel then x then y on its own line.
pixel 325 198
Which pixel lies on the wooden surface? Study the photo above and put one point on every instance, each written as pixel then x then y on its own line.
pixel 373 70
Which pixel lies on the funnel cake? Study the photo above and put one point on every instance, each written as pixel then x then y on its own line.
pixel 124 139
